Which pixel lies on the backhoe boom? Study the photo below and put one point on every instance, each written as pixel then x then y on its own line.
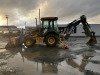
pixel 88 31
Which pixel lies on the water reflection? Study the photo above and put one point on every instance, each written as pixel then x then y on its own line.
pixel 49 68
pixel 49 58
pixel 80 66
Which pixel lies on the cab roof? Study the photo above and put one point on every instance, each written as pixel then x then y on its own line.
pixel 49 18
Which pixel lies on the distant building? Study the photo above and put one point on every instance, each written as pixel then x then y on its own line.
pixel 94 27
pixel 7 29
pixel 2 28
pixel 29 28
pixel 79 29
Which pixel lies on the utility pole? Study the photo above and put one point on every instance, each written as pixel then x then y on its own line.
pixel 8 27
pixel 25 25
pixel 7 21
pixel 39 17
pixel 36 22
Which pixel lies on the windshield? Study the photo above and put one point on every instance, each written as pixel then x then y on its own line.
pixel 50 24
pixel 45 24
pixel 55 25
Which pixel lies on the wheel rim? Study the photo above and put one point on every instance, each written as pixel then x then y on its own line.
pixel 28 42
pixel 51 40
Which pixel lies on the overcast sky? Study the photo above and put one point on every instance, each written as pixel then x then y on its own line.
pixel 21 11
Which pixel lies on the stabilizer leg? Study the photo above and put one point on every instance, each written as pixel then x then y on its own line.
pixel 65 46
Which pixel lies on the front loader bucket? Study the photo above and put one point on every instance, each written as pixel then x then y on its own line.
pixel 14 42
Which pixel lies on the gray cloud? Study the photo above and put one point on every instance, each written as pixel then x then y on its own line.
pixel 72 8
pixel 26 5
pixel 66 10
pixel 23 6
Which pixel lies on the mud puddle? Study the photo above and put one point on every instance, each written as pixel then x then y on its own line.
pixel 37 61
pixel 41 60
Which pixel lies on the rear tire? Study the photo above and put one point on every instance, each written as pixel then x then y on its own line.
pixel 29 42
pixel 51 40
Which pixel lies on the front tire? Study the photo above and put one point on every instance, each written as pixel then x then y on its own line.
pixel 51 40
pixel 29 42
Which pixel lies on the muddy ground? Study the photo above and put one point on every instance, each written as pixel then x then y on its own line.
pixel 79 59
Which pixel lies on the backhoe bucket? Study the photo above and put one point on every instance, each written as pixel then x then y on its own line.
pixel 92 40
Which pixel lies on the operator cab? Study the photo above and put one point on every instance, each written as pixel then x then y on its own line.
pixel 50 23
